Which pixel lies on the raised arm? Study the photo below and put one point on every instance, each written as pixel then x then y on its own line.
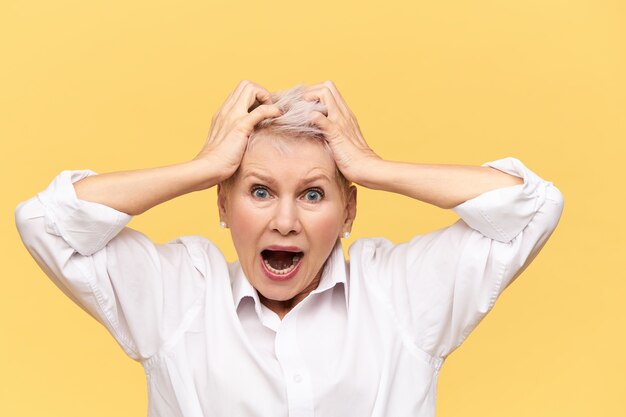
pixel 441 284
pixel 140 291
pixel 443 185
pixel 134 192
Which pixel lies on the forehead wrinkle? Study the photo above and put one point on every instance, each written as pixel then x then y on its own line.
pixel 257 172
pixel 260 173
pixel 309 178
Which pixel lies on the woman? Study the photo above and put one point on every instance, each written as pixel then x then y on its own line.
pixel 291 328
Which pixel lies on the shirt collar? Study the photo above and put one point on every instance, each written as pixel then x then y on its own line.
pixel 334 272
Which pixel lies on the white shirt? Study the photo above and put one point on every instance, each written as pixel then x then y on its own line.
pixel 369 341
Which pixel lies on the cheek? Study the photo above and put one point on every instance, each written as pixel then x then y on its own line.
pixel 245 226
pixel 327 227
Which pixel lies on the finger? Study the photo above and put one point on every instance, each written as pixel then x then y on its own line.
pixel 314 97
pixel 236 92
pixel 341 102
pixel 244 98
pixel 330 85
pixel 321 121
pixel 333 88
pixel 252 96
pixel 226 106
pixel 261 98
pixel 264 111
pixel 265 97
pixel 232 100
pixel 323 94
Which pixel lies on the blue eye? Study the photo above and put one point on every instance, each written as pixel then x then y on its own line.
pixel 313 195
pixel 260 192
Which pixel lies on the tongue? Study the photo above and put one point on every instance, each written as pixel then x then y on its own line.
pixel 279 259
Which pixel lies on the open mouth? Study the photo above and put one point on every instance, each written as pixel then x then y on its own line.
pixel 281 263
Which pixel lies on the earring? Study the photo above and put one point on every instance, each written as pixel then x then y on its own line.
pixel 346 235
pixel 223 225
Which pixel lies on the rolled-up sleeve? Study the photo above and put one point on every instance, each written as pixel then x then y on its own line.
pixel 137 289
pixel 503 213
pixel 84 225
pixel 441 284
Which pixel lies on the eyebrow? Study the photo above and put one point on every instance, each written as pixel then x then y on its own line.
pixel 270 180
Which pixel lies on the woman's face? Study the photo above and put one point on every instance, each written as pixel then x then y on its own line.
pixel 286 210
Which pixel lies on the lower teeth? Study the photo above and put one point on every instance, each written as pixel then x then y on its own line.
pixel 282 271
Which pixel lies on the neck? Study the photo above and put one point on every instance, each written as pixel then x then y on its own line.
pixel 282 307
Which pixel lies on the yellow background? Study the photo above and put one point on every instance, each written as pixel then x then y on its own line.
pixel 133 84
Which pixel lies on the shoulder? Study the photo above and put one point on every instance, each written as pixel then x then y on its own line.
pixel 381 252
pixel 367 254
pixel 365 248
pixel 195 243
pixel 204 254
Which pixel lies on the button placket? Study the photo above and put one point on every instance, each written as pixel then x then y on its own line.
pixel 297 379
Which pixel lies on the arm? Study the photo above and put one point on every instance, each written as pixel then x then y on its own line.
pixel 445 186
pixel 75 231
pixel 441 284
pixel 134 192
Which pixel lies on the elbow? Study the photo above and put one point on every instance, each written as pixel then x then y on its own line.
pixel 556 202
pixel 25 214
pixel 448 205
pixel 556 196
pixel 21 217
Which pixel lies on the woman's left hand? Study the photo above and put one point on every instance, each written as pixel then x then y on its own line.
pixel 351 152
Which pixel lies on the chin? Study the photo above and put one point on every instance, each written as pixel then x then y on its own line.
pixel 276 294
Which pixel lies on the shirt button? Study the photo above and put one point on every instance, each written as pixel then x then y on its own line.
pixel 297 378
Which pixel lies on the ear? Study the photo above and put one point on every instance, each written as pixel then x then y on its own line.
pixel 222 202
pixel 350 209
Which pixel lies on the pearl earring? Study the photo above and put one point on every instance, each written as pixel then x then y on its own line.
pixel 223 225
pixel 346 235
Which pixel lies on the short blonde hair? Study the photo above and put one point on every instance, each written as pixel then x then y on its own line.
pixel 296 117
pixel 295 123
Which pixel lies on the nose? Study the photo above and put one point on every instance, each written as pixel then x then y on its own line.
pixel 285 219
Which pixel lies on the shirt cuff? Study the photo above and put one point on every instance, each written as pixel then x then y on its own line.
pixel 86 226
pixel 501 214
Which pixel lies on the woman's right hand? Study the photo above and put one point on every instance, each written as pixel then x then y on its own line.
pixel 233 124
pixel 134 192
